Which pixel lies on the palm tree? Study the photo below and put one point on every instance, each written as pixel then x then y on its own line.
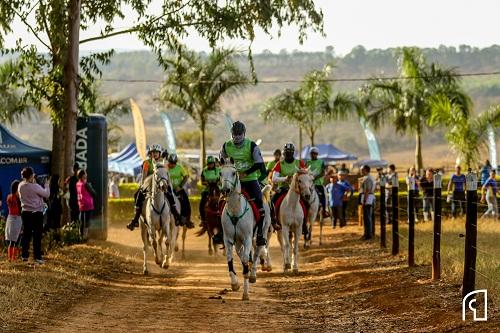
pixel 408 103
pixel 196 84
pixel 466 136
pixel 311 105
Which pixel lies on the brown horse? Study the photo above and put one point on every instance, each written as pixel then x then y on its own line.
pixel 212 216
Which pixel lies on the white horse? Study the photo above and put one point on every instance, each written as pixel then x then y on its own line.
pixel 292 216
pixel 176 228
pixel 238 223
pixel 314 213
pixel 155 219
pixel 265 254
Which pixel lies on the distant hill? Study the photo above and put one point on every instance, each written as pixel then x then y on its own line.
pixel 359 63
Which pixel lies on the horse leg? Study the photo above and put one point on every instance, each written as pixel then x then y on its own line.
pixel 184 232
pixel 255 257
pixel 235 286
pixel 320 227
pixel 145 245
pixel 285 239
pixel 245 258
pixel 296 239
pixel 210 251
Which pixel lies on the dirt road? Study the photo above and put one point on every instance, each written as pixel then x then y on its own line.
pixel 345 285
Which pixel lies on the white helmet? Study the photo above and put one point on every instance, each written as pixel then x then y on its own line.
pixel 314 150
pixel 156 147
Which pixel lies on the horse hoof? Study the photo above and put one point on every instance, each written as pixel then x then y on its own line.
pixel 165 265
pixel 269 269
pixel 176 248
pixel 295 271
pixel 145 272
pixel 210 252
pixel 245 297
pixel 252 279
pixel 235 287
pixel 288 266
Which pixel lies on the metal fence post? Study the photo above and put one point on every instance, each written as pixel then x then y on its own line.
pixel 436 247
pixel 469 279
pixel 395 214
pixel 411 222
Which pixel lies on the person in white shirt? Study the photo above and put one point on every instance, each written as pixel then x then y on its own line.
pixel 367 191
pixel 113 190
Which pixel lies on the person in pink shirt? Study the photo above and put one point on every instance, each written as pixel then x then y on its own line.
pixel 31 195
pixel 86 195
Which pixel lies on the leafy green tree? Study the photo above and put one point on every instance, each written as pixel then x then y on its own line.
pixel 191 139
pixel 408 103
pixel 311 105
pixel 196 85
pixel 56 78
pixel 12 105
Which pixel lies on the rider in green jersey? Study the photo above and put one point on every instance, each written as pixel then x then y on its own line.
pixel 317 167
pixel 209 175
pixel 178 178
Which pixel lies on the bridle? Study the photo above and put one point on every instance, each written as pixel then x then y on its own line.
pixel 231 183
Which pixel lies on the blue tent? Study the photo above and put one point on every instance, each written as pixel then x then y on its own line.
pixel 371 163
pixel 127 161
pixel 328 153
pixel 16 155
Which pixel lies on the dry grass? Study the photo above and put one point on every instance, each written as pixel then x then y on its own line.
pixel 452 251
pixel 26 289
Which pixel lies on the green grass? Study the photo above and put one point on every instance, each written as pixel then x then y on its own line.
pixel 452 251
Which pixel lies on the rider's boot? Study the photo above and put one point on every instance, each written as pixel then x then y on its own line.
pixel 175 212
pixel 135 221
pixel 274 219
pixel 218 238
pixel 261 241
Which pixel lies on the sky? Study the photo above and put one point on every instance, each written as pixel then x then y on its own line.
pixel 348 23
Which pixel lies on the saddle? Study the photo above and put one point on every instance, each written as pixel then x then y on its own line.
pixel 277 206
pixel 252 204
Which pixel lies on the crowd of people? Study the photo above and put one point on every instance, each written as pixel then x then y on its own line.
pixel 35 206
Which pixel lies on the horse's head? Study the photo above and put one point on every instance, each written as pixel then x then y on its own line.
pixel 229 177
pixel 161 178
pixel 213 191
pixel 303 182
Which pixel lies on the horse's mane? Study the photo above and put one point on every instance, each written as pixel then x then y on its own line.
pixel 302 171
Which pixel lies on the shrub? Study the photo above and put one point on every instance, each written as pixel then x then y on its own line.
pixel 70 234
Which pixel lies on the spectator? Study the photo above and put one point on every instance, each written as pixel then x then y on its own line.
pixel 412 176
pixel 427 186
pixel 457 184
pixel 485 172
pixel 338 198
pixel 114 191
pixel 86 196
pixel 54 211
pixel 490 194
pixel 14 221
pixel 32 195
pixel 367 190
pixel 391 172
pixel 73 195
pixel 343 169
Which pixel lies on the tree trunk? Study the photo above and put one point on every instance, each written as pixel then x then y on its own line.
pixel 419 163
pixel 203 151
pixel 312 136
pixel 56 161
pixel 71 87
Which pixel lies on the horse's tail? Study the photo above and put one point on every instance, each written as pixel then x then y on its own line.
pixel 266 192
pixel 202 231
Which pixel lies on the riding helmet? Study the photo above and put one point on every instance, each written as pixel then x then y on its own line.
pixel 156 147
pixel 289 147
pixel 210 159
pixel 238 128
pixel 172 158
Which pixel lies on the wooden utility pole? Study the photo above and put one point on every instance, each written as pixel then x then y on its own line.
pixel 411 222
pixel 395 214
pixel 436 247
pixel 382 211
